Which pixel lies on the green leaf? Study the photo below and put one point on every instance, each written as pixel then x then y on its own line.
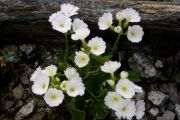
pixel 133 76
pixel 99 110
pixel 76 114
pixel 94 84
pixel 101 59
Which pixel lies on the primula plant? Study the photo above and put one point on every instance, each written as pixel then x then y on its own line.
pixel 88 80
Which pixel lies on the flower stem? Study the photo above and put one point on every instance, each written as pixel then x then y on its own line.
pixel 116 42
pixel 67 47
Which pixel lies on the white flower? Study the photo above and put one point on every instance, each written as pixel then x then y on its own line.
pixel 131 15
pixel 69 9
pixel 110 82
pixel 80 34
pixel 53 97
pixel 64 84
pixel 135 33
pixel 77 24
pixel 54 16
pixel 119 16
pixel 124 74
pixel 75 87
pixel 112 99
pixel 140 108
pixel 105 21
pixel 125 88
pixel 70 73
pixel 138 89
pixel 97 45
pixel 35 74
pixel 41 84
pixel 81 59
pixel 126 109
pixel 110 66
pixel 50 70
pixel 118 29
pixel 61 22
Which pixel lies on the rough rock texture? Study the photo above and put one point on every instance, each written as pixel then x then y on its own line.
pixel 18 92
pixel 168 115
pixel 139 63
pixel 25 111
pixel 153 112
pixel 157 97
pixel 177 110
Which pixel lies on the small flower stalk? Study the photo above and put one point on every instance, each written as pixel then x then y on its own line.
pixel 89 76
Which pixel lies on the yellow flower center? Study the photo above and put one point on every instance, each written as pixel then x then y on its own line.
pixel 115 99
pixel 133 33
pixel 124 88
pixel 72 89
pixel 95 47
pixel 53 97
pixel 43 86
pixel 83 59
pixel 124 108
pixel 61 25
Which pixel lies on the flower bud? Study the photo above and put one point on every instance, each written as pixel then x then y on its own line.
pixel 124 74
pixel 118 29
pixel 119 16
pixel 63 85
pixel 110 82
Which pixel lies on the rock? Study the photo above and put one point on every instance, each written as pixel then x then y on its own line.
pixel 157 97
pixel 25 111
pixel 159 64
pixel 6 105
pixel 18 92
pixel 177 111
pixel 40 102
pixel 139 63
pixel 27 48
pixel 38 116
pixel 177 77
pixel 153 112
pixel 24 78
pixel 168 115
pixel 173 95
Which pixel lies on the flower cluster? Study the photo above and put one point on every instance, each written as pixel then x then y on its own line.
pixel 134 33
pixel 74 80
pixel 120 100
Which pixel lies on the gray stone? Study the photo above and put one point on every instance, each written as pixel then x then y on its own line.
pixel 159 64
pixel 18 91
pixel 38 116
pixel 25 111
pixel 139 63
pixel 168 115
pixel 157 97
pixel 140 96
pixel 27 48
pixel 177 111
pixel 153 112
pixel 24 78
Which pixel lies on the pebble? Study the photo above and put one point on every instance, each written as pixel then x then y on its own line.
pixel 153 112
pixel 18 91
pixel 157 98
pixel 159 64
pixel 177 111
pixel 139 63
pixel 25 111
pixel 168 115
